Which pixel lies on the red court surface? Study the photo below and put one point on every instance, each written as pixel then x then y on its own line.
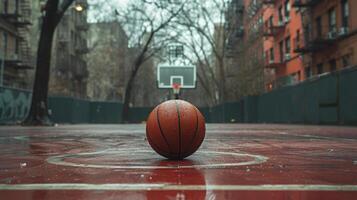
pixel 267 162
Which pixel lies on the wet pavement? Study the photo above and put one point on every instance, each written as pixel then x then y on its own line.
pixel 235 161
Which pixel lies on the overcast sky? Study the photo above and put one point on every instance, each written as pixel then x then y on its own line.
pixel 108 6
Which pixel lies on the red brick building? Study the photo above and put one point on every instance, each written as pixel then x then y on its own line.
pixel 329 40
pixel 282 23
pixel 299 39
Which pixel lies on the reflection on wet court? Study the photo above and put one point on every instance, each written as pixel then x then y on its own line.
pixel 116 162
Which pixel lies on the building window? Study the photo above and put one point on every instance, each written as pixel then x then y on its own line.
pixel 320 68
pixel 345 61
pixel 287 45
pixel 270 21
pixel 297 39
pixel 318 27
pixel 281 14
pixel 287 10
pixel 345 13
pixel 281 51
pixel 271 54
pixel 17 9
pixel 5 6
pixel 5 42
pixel 308 73
pixel 333 65
pixel 16 46
pixel 176 51
pixel 332 20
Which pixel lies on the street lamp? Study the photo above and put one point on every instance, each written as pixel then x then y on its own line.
pixel 78 7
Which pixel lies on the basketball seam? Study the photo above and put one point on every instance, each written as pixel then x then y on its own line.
pixel 179 126
pixel 195 134
pixel 161 132
pixel 196 130
pixel 157 147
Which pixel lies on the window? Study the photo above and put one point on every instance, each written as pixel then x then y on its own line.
pixel 297 39
pixel 345 13
pixel 5 42
pixel 307 33
pixel 332 20
pixel 175 51
pixel 281 14
pixel 270 21
pixel 345 61
pixel 333 65
pixel 179 51
pixel 271 54
pixel 16 46
pixel 287 9
pixel 308 73
pixel 318 26
pixel 17 6
pixel 287 45
pixel 5 6
pixel 320 68
pixel 281 51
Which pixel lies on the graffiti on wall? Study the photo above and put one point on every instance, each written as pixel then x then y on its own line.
pixel 14 104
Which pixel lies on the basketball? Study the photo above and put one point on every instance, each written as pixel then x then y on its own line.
pixel 175 129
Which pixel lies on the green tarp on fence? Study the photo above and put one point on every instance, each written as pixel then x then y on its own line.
pixel 327 99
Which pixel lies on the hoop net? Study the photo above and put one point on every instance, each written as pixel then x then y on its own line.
pixel 176 87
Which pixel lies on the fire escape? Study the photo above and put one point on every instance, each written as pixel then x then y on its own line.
pixel 314 37
pixel 305 3
pixel 22 59
pixel 234 29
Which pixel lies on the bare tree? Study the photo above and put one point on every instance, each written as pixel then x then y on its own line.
pixel 204 22
pixel 53 13
pixel 146 24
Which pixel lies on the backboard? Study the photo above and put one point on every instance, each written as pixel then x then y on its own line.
pixel 167 75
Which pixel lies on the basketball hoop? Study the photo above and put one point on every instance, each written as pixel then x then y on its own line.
pixel 176 87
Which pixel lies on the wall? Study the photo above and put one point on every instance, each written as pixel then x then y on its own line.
pixel 14 104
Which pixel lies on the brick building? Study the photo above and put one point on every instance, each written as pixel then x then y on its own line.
pixel 16 61
pixel 282 24
pixel 329 40
pixel 299 39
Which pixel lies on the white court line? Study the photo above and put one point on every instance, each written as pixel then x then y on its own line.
pixel 60 160
pixel 315 136
pixel 163 187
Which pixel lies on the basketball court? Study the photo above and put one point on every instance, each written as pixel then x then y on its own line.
pixel 234 162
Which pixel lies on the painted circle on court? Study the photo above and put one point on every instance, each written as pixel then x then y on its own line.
pixel 146 159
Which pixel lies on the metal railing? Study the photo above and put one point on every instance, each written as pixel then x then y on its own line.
pixel 314 40
pixel 305 3
pixel 273 30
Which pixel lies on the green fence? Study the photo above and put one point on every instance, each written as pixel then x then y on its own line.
pixel 328 99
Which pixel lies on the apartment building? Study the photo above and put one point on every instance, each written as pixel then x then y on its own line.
pixel 234 51
pixel 299 38
pixel 16 60
pixel 244 47
pixel 282 23
pixel 107 61
pixel 329 40
pixel 69 71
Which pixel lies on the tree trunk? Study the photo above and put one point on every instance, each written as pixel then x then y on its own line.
pixel 127 97
pixel 38 114
pixel 222 88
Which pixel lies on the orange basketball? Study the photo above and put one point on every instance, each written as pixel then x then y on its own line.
pixel 175 129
